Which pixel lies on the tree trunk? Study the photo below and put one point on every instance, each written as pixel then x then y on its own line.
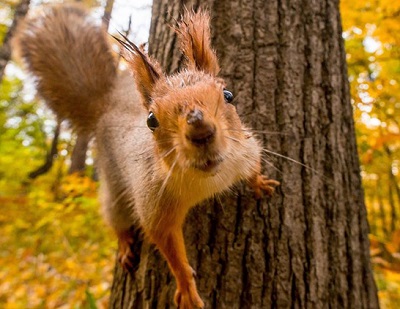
pixel 393 189
pixel 78 156
pixel 382 212
pixel 51 154
pixel 392 204
pixel 5 49
pixel 308 246
pixel 107 13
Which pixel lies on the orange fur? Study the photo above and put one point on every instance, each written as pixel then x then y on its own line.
pixel 146 71
pixel 194 34
pixel 198 146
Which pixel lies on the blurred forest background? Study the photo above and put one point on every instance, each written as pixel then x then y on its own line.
pixel 54 248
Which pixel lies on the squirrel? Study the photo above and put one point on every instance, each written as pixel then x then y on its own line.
pixel 165 143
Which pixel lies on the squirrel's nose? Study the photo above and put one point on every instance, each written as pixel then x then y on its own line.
pixel 194 117
pixel 199 131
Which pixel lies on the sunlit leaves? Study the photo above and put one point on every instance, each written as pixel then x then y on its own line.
pixel 372 36
pixel 55 245
pixel 55 249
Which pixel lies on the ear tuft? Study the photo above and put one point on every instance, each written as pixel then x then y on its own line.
pixel 194 34
pixel 146 71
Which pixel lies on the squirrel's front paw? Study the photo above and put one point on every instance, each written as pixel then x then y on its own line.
pixel 262 183
pixel 125 255
pixel 189 299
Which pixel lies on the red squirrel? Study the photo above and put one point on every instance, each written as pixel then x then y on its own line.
pixel 165 143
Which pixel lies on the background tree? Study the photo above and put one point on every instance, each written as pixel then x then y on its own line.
pixel 308 246
pixel 373 44
pixel 5 50
pixel 21 9
pixel 372 35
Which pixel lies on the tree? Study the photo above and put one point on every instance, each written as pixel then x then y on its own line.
pixel 5 50
pixel 21 10
pixel 107 13
pixel 51 154
pixel 308 246
pixel 373 41
pixel 78 156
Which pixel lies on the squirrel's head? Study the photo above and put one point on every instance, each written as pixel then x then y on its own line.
pixel 194 123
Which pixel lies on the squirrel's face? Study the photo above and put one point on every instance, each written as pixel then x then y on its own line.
pixel 194 123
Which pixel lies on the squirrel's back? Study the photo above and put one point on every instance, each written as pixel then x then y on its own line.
pixel 69 54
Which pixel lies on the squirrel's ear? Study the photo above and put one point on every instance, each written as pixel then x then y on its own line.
pixel 194 35
pixel 146 71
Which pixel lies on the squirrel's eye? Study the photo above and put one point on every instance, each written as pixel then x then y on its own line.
pixel 228 96
pixel 152 121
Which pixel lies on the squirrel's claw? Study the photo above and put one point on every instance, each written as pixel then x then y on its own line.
pixel 262 183
pixel 188 300
pixel 125 254
pixel 187 297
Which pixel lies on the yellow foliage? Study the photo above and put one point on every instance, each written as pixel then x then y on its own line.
pixel 372 34
pixel 55 251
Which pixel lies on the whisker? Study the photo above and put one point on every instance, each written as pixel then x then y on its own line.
pixel 287 158
pixel 272 165
pixel 164 141
pixel 233 139
pixel 297 162
pixel 166 154
pixel 258 131
pixel 162 156
pixel 181 181
pixel 164 185
pixel 126 126
pixel 169 130
pixel 219 201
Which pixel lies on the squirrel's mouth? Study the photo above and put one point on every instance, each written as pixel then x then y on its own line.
pixel 208 165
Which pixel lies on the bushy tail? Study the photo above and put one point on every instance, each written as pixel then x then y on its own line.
pixel 72 60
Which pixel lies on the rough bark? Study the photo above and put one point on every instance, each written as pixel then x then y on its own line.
pixel 51 154
pixel 78 156
pixel 308 246
pixel 393 212
pixel 393 189
pixel 5 50
pixel 382 213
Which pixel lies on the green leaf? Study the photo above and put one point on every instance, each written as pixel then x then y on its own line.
pixel 90 299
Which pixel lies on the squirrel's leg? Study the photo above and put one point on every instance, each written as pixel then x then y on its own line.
pixel 261 183
pixel 117 213
pixel 172 246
